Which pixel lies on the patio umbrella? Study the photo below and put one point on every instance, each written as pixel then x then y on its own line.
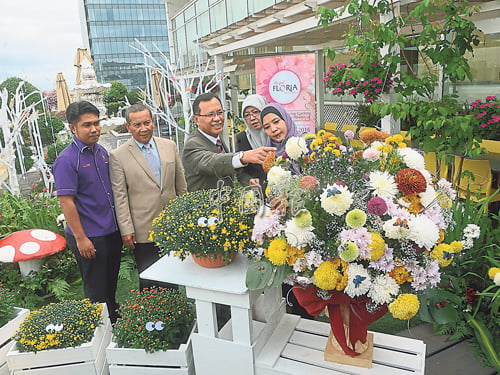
pixel 62 92
pixel 158 88
pixel 81 54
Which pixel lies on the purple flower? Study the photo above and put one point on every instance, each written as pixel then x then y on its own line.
pixel 377 206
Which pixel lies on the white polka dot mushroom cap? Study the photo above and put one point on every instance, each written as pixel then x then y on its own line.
pixel 30 244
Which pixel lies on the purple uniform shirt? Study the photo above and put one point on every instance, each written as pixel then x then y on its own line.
pixel 84 173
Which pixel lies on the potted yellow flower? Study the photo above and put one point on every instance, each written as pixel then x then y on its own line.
pixel 69 335
pixel 208 224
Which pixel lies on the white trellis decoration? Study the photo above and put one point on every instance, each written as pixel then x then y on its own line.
pixel 13 116
pixel 178 80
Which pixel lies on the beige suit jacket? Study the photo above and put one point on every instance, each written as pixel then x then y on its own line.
pixel 139 197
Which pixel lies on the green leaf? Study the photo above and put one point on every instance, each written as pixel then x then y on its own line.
pixel 444 315
pixel 258 275
pixel 279 275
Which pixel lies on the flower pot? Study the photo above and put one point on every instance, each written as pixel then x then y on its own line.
pixel 124 361
pixel 6 332
pixel 208 262
pixel 88 358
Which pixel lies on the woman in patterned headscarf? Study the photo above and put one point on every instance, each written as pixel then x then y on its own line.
pixel 253 137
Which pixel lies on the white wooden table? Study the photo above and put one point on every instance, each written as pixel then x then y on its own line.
pixel 260 339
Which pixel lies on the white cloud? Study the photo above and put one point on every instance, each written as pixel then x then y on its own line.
pixel 39 39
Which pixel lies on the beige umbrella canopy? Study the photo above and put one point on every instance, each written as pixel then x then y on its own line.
pixel 81 54
pixel 159 92
pixel 62 92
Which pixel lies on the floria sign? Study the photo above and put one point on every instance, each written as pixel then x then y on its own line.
pixel 289 80
pixel 284 87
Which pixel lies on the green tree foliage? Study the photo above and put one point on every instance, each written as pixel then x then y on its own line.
pixel 114 97
pixel 54 149
pixel 28 161
pixel 133 97
pixel 12 83
pixel 49 127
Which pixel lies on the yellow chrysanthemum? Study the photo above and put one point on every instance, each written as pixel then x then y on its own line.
pixel 294 254
pixel 309 136
pixel 400 274
pixel 443 253
pixel 405 306
pixel 326 276
pixel 277 252
pixel 457 246
pixel 415 206
pixel 492 272
pixel 377 246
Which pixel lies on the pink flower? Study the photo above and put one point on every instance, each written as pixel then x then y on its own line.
pixel 490 97
pixel 377 206
pixel 349 135
pixel 371 154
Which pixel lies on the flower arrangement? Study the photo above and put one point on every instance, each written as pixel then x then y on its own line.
pixel 6 305
pixel 59 325
pixel 204 223
pixel 349 80
pixel 487 114
pixel 367 224
pixel 154 319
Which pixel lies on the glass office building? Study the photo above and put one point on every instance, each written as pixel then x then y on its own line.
pixel 110 28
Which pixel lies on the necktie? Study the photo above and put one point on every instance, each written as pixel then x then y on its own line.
pixel 219 145
pixel 152 161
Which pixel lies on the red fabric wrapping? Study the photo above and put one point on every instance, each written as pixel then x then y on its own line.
pixel 359 317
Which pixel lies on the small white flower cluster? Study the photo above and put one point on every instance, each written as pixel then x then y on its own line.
pixel 471 232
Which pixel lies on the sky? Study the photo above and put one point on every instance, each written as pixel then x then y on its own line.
pixel 38 39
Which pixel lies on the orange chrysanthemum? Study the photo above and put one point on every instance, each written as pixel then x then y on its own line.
pixel 308 182
pixel 410 181
pixel 268 162
pixel 371 135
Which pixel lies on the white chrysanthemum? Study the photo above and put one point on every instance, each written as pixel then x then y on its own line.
pixel 472 231
pixel 277 175
pixel 296 147
pixel 423 231
pixel 383 289
pixel 427 175
pixel 302 280
pixel 467 243
pixel 358 280
pixel 428 196
pixel 412 158
pixel 496 279
pixel 383 184
pixel 336 199
pixel 377 145
pixel 297 236
pixel 396 231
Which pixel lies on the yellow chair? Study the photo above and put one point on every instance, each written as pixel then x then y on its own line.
pixel 430 165
pixel 331 126
pixel 357 143
pixel 405 135
pixel 481 185
pixel 346 127
pixel 491 146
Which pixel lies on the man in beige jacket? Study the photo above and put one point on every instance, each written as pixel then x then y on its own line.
pixel 146 173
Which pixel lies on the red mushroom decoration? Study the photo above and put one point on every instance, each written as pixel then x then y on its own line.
pixel 27 247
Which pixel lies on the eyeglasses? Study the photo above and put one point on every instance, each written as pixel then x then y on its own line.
pixel 254 113
pixel 213 115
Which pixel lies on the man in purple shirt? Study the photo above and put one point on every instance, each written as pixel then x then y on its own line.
pixel 81 174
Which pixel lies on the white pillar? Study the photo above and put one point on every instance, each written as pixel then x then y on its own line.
pixel 320 89
pixel 219 70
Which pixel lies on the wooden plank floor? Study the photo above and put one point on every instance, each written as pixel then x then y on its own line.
pixel 446 357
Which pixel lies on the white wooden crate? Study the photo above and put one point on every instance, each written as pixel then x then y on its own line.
pixel 297 347
pixel 6 332
pixel 86 359
pixel 126 361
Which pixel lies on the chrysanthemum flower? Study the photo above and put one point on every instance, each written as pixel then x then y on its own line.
pixel 370 135
pixel 405 306
pixel 400 274
pixel 298 236
pixel 423 231
pixel 410 181
pixel 412 158
pixel 277 252
pixel 358 280
pixel 377 206
pixel 383 184
pixel 443 253
pixel 348 251
pixel 376 246
pixel 303 219
pixel 383 289
pixel 269 161
pixel 336 199
pixel 371 154
pixel 308 182
pixel 492 272
pixel 296 147
pixel 355 218
pixel 277 175
pixel 326 276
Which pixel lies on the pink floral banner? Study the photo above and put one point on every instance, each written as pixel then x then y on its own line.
pixel 289 80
